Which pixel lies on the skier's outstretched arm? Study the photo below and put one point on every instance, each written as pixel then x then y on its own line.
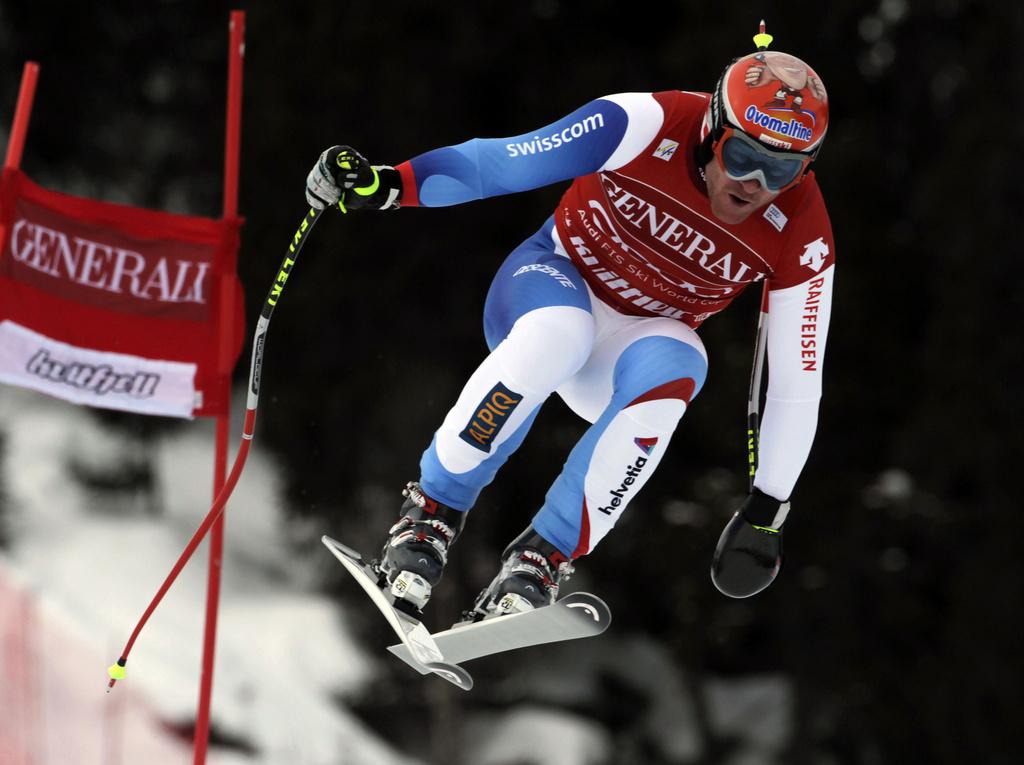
pixel 601 135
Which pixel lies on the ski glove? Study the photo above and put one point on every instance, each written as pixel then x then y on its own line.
pixel 749 552
pixel 343 177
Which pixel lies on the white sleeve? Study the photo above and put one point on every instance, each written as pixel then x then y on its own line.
pixel 797 329
pixel 645 118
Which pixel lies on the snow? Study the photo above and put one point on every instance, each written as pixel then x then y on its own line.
pixel 570 672
pixel 78 575
pixel 535 734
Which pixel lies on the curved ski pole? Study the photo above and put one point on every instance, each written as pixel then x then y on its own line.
pixel 116 670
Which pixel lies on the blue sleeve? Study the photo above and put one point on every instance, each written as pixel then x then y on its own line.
pixel 575 145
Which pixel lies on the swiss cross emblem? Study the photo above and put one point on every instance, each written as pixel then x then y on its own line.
pixel 814 254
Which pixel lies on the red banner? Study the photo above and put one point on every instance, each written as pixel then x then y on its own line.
pixel 116 306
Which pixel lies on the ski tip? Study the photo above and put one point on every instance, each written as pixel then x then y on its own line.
pixel 590 607
pixel 337 547
pixel 332 544
pixel 453 673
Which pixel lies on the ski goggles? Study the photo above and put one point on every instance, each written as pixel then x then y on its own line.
pixel 744 158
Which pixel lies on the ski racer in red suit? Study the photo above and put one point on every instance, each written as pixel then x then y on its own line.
pixel 679 200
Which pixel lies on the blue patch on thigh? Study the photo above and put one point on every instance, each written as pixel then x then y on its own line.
pixel 654 361
pixel 532 276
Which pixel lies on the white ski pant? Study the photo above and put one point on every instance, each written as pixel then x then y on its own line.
pixel 631 377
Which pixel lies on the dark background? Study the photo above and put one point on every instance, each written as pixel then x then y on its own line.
pixel 896 614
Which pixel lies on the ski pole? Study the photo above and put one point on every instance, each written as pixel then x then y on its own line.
pixel 754 397
pixel 117 670
pixel 762 40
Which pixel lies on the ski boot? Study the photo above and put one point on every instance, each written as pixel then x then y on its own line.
pixel 531 571
pixel 416 551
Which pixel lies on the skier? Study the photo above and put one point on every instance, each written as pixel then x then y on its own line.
pixel 678 201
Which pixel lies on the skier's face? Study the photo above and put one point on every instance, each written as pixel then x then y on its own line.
pixel 733 201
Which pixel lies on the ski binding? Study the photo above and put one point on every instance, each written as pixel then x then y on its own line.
pixel 421 651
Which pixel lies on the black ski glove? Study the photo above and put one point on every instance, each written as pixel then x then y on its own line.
pixel 749 552
pixel 343 177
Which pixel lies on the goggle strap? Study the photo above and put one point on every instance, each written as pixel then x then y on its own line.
pixel 706 148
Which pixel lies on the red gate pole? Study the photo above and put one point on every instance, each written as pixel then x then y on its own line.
pixel 19 127
pixel 232 140
pixel 28 709
pixel 22 113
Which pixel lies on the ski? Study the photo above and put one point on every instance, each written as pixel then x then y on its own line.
pixel 421 651
pixel 577 615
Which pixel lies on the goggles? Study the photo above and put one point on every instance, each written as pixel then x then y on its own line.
pixel 744 158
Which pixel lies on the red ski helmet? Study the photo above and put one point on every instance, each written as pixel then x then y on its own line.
pixel 767 118
pixel 775 98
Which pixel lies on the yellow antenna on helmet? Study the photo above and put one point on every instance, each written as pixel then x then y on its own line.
pixel 762 39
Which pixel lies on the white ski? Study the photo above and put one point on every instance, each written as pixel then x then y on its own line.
pixel 577 615
pixel 421 652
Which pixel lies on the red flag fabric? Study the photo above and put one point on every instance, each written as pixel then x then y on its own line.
pixel 116 306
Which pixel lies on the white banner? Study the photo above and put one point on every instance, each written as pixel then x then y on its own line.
pixel 95 378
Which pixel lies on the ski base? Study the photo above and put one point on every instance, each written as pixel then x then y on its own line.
pixel 577 615
pixel 421 651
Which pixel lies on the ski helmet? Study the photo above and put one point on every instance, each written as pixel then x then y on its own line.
pixel 777 99
pixel 777 107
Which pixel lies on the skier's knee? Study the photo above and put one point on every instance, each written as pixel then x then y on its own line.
pixel 547 346
pixel 660 367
